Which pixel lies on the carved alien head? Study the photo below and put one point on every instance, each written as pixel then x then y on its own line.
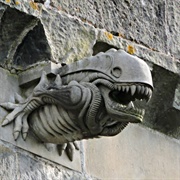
pixel 89 98
pixel 129 80
pixel 121 78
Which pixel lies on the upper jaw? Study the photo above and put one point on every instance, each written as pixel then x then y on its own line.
pixel 135 90
pixel 119 101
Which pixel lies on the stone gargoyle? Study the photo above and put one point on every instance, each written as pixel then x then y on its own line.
pixel 90 98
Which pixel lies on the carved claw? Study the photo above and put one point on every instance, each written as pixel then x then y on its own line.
pixel 8 105
pixel 19 115
pixel 22 108
pixel 70 151
pixel 69 148
pixel 49 146
pixel 61 148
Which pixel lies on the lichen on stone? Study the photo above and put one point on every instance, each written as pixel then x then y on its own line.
pixel 34 5
pixel 109 35
pixel 131 49
pixel 8 1
pixel 17 3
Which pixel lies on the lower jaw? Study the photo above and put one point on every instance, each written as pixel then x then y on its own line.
pixel 122 116
pixel 116 129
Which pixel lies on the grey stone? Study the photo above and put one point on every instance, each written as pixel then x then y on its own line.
pixel 138 153
pixel 69 39
pixel 34 48
pixel 155 24
pixel 89 98
pixel 35 169
pixel 14 27
pixel 151 28
pixel 85 33
pixel 3 8
pixel 153 57
pixel 9 88
pixel 8 167
pixel 16 163
pixel 33 74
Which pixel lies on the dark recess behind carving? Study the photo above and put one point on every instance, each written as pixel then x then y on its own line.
pixel 12 25
pixel 34 48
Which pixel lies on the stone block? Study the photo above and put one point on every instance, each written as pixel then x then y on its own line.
pixel 16 163
pixel 32 75
pixel 68 37
pixel 136 153
pixel 11 86
pixel 155 24
pixel 14 27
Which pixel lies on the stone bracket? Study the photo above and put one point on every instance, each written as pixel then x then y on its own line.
pixel 31 75
pixel 31 144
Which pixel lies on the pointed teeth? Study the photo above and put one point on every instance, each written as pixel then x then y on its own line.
pixel 130 106
pixel 133 89
pixel 119 88
pixel 127 89
pixel 123 88
pixel 149 95
pixel 142 89
pixel 146 91
pixel 138 89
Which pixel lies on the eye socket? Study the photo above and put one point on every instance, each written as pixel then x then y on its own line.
pixel 116 72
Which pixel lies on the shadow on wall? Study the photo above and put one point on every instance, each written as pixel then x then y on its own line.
pixel 22 39
pixel 34 48
pixel 161 114
pixel 101 47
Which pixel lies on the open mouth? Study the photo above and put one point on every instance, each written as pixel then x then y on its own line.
pixel 123 95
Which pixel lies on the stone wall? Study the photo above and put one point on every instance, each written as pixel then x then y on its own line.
pixel 33 36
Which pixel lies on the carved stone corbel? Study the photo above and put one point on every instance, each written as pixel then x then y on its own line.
pixel 90 98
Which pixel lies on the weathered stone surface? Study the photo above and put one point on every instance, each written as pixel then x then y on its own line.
pixel 8 90
pixel 153 57
pixel 69 39
pixel 18 164
pixel 14 27
pixel 9 85
pixel 136 153
pixel 76 36
pixel 110 106
pixel 161 113
pixel 33 48
pixel 152 28
pixel 155 24
pixel 32 75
